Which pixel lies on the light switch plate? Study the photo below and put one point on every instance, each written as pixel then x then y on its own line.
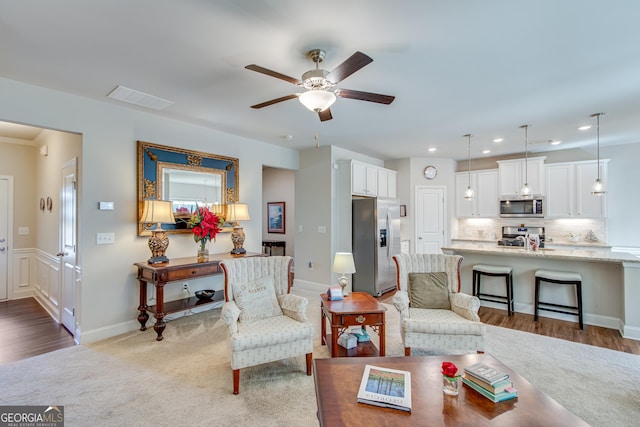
pixel 105 206
pixel 23 231
pixel 105 238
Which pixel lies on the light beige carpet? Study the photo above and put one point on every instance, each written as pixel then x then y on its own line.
pixel 132 380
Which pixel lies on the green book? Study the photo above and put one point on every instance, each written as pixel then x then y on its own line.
pixel 509 393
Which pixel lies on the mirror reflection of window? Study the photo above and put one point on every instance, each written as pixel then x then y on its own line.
pixel 188 189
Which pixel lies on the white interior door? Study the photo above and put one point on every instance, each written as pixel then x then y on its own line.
pixel 68 238
pixel 429 220
pixel 4 237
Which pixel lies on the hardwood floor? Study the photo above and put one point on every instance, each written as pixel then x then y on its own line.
pixel 592 335
pixel 27 330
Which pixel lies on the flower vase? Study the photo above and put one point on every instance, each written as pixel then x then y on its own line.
pixel 451 385
pixel 203 252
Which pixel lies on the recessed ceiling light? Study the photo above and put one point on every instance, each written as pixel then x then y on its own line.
pixel 555 142
pixel 432 149
pixel 586 127
pixel 486 151
pixel 498 140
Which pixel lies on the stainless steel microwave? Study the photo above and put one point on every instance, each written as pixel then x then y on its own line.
pixel 519 207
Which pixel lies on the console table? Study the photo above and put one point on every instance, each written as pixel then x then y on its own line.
pixel 176 269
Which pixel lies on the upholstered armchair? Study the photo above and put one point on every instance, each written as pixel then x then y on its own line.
pixel 265 322
pixel 434 314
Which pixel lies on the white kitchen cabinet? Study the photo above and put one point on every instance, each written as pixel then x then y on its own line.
pixel 485 184
pixel 364 179
pixel 513 174
pixel 386 183
pixel 569 190
pixel 368 180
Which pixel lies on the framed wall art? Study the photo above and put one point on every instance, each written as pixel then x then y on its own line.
pixel 275 217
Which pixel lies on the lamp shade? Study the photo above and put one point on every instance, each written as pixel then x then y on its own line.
pixel 343 263
pixel 237 212
pixel 157 211
pixel 317 100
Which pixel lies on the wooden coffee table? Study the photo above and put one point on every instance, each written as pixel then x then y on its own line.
pixel 356 309
pixel 337 382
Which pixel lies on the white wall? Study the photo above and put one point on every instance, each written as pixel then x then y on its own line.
pixel 108 168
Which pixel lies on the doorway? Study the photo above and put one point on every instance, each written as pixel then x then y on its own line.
pixel 6 204
pixel 430 223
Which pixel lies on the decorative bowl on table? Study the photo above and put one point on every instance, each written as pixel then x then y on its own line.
pixel 205 294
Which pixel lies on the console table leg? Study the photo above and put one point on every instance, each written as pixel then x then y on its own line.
pixel 159 327
pixel 142 318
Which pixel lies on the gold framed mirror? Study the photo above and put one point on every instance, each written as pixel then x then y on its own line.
pixel 188 179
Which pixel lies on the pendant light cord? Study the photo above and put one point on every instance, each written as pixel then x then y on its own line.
pixel 469 159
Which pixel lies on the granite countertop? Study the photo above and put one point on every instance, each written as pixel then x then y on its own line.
pixel 580 244
pixel 569 254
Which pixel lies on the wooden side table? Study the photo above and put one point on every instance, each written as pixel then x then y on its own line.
pixel 356 309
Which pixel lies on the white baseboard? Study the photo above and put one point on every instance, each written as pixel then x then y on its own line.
pixel 588 319
pixel 110 331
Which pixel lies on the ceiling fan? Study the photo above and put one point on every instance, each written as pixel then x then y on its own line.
pixel 320 93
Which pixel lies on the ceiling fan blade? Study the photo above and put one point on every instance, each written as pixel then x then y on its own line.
pixel 259 69
pixel 348 67
pixel 325 115
pixel 365 96
pixel 274 101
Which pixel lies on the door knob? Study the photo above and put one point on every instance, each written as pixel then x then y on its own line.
pixel 61 254
pixel 2 240
pixel 2 249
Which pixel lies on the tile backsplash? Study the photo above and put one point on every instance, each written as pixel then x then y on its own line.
pixel 560 231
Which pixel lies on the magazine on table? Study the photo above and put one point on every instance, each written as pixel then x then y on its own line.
pixel 389 388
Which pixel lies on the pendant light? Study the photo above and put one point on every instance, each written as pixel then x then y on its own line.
pixel 598 187
pixel 525 192
pixel 469 194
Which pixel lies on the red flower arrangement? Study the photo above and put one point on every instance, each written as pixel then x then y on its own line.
pixel 449 369
pixel 204 225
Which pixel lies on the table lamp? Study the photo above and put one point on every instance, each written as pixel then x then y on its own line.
pixel 237 212
pixel 343 264
pixel 157 212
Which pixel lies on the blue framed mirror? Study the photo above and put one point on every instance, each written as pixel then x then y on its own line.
pixel 188 179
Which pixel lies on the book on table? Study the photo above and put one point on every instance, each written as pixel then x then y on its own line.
pixel 507 394
pixel 496 388
pixel 486 373
pixel 389 388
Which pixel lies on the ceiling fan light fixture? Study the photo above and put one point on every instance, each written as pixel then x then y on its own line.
pixel 317 100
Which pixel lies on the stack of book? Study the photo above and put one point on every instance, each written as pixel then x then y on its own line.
pixel 493 384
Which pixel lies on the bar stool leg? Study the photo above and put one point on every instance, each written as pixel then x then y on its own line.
pixel 579 294
pixel 509 295
pixel 537 299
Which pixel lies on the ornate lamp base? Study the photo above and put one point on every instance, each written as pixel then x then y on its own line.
pixel 237 237
pixel 158 243
pixel 342 281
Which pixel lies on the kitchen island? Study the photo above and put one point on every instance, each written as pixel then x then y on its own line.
pixel 610 281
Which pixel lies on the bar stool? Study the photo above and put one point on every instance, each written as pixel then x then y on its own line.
pixel 560 278
pixel 480 270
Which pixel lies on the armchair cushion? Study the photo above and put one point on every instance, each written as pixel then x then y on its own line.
pixel 256 299
pixel 429 290
pixel 294 306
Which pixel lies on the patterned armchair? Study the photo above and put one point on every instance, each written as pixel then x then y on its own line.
pixel 455 325
pixel 265 322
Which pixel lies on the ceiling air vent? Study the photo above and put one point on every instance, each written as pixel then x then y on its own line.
pixel 141 99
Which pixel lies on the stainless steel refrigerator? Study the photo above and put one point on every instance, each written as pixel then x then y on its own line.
pixel 376 238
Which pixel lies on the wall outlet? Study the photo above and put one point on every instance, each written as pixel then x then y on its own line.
pixel 310 264
pixel 185 286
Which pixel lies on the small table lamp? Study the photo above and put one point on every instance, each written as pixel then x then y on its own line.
pixel 157 212
pixel 237 212
pixel 343 264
